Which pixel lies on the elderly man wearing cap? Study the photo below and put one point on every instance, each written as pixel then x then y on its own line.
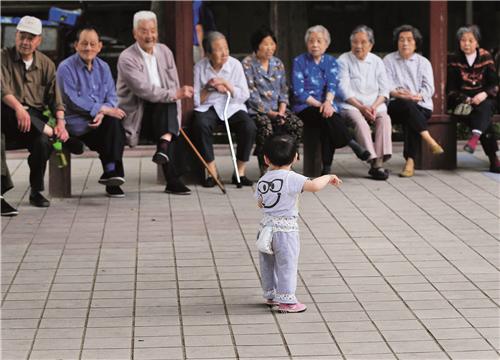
pixel 149 92
pixel 28 87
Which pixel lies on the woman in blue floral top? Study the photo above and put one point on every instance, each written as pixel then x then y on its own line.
pixel 315 84
pixel 268 100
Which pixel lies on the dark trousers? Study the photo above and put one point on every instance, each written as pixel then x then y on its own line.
pixel 159 119
pixel 480 119
pixel 6 179
pixel 204 124
pixel 414 120
pixel 34 140
pixel 108 140
pixel 333 132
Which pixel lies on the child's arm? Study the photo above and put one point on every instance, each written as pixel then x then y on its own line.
pixel 321 182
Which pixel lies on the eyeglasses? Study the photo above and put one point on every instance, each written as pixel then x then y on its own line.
pixel 273 186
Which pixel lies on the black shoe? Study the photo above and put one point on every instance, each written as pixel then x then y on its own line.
pixel 110 178
pixel 495 168
pixel 177 188
pixel 37 199
pixel 74 146
pixel 364 156
pixel 114 191
pixel 244 181
pixel 360 151
pixel 7 209
pixel 379 173
pixel 160 158
pixel 208 182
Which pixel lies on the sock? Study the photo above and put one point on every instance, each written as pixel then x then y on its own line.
pixel 162 145
pixel 109 167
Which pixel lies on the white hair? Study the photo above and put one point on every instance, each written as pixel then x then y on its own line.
pixel 318 29
pixel 143 15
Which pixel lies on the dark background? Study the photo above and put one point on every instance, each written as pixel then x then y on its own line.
pixel 239 19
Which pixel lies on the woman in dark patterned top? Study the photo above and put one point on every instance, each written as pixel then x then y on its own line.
pixel 472 80
pixel 268 100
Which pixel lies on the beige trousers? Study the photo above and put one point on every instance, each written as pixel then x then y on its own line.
pixel 382 147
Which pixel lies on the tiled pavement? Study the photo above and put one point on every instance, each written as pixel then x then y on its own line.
pixel 403 269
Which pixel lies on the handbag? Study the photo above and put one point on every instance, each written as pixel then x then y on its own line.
pixel 462 109
pixel 264 241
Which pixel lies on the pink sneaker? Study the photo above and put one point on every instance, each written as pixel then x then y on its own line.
pixel 471 145
pixel 271 302
pixel 292 308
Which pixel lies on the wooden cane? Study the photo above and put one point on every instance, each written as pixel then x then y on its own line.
pixel 219 184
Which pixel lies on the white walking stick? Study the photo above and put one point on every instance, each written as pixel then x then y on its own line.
pixel 233 156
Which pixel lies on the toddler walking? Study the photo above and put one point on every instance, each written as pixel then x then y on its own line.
pixel 277 195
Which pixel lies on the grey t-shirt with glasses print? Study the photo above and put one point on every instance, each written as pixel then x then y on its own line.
pixel 279 191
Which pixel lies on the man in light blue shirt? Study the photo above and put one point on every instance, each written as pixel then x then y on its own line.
pixel 90 98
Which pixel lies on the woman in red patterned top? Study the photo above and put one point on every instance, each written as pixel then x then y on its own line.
pixel 472 80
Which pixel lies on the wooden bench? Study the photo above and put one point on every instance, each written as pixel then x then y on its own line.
pixel 60 178
pixel 442 127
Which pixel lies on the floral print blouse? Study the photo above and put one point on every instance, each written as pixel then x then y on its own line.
pixel 267 88
pixel 316 80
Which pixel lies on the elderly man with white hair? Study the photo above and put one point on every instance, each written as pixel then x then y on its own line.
pixel 149 93
pixel 365 89
pixel 315 87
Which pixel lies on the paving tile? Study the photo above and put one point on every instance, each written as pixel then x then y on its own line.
pixel 455 334
pixel 262 352
pixel 210 352
pixel 476 355
pixel 422 356
pixel 107 342
pixel 413 346
pixel 465 345
pixel 56 323
pixel 317 350
pixel 309 338
pixel 157 341
pixel 105 354
pixel 370 357
pixel 57 344
pixel 159 353
pixel 208 340
pixel 16 354
pixel 64 333
pixel 54 354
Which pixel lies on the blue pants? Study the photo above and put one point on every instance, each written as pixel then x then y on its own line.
pixel 279 271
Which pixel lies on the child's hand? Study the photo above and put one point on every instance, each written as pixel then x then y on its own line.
pixel 335 181
pixel 259 203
